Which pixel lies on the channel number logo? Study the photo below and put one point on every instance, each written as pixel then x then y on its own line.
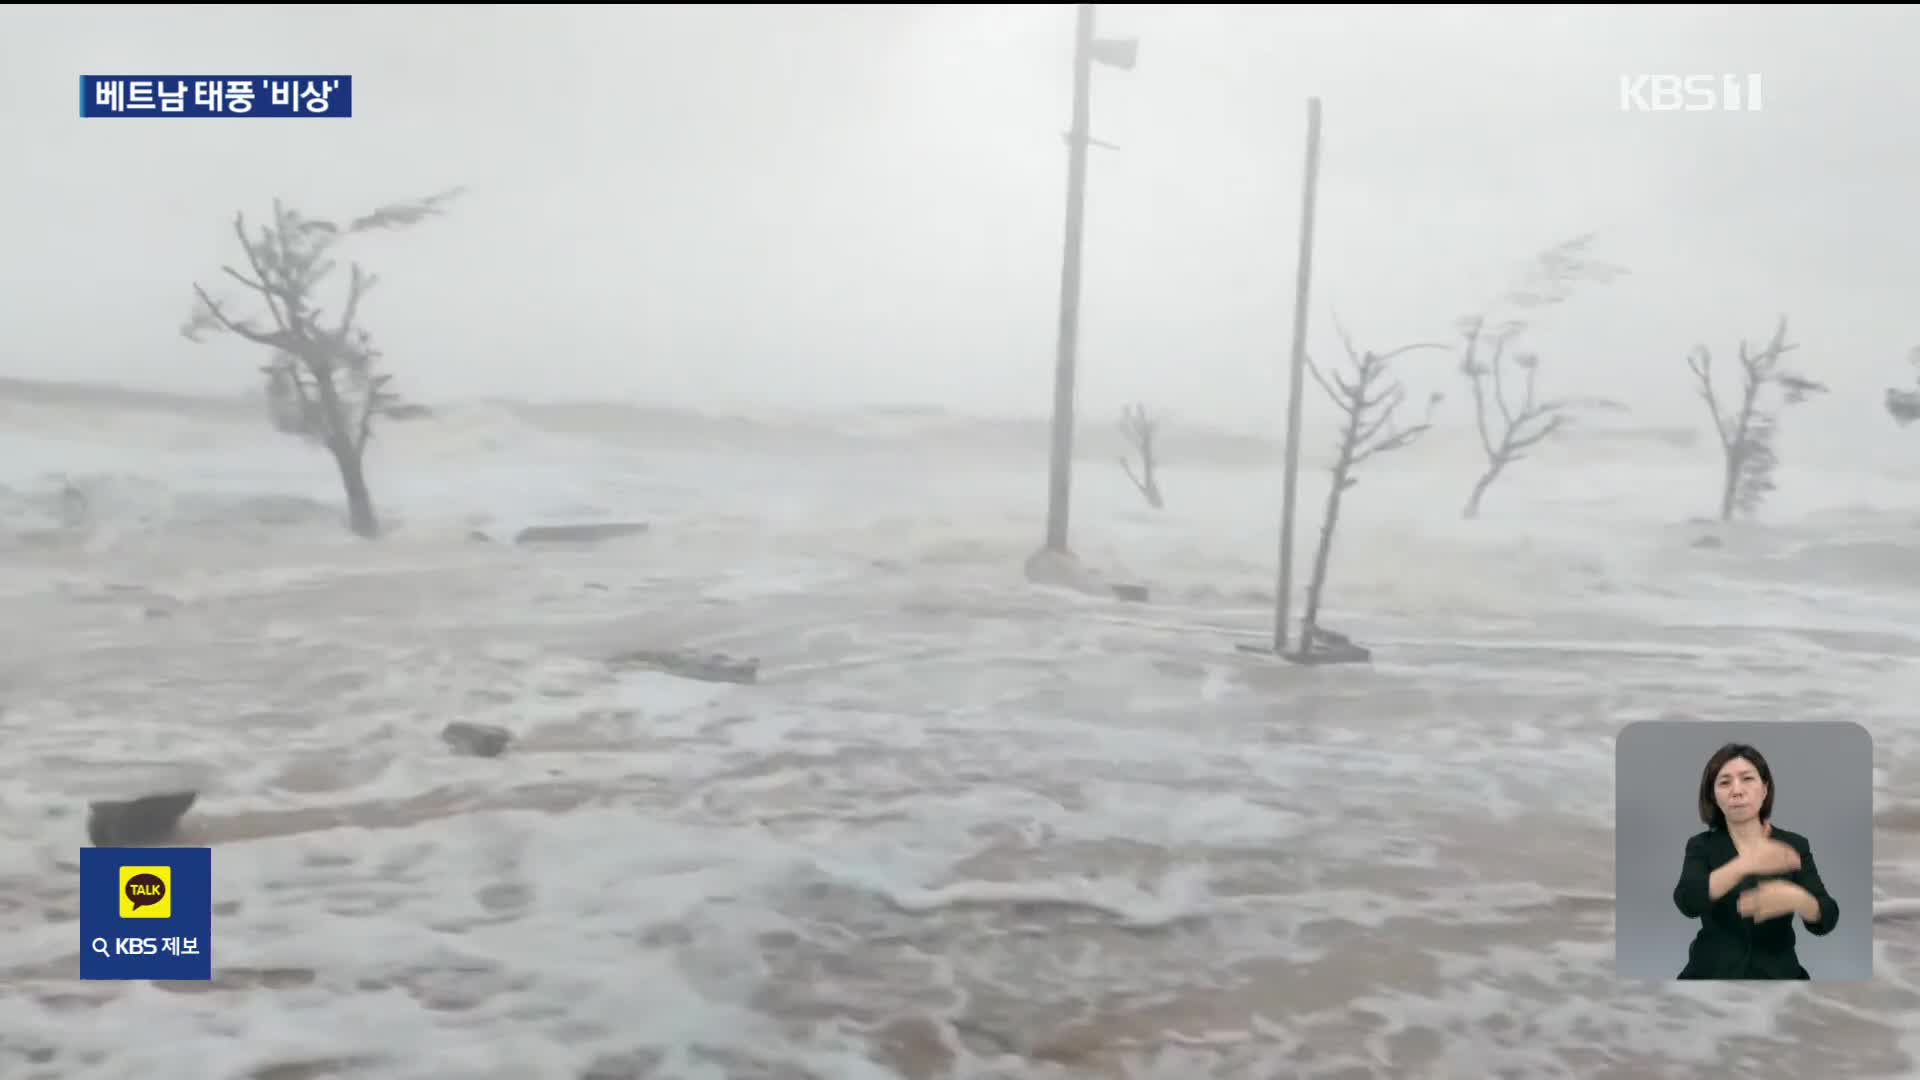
pixel 146 892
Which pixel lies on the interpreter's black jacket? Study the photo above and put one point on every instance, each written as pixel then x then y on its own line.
pixel 1730 945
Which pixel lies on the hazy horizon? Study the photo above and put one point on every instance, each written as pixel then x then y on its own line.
pixel 843 207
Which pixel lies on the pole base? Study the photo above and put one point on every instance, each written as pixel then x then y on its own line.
pixel 1052 566
pixel 1337 650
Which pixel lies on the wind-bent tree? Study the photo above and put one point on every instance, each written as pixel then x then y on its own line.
pixel 1508 429
pixel 1369 398
pixel 1904 405
pixel 1141 430
pixel 323 381
pixel 1747 430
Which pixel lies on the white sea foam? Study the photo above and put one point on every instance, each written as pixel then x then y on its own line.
pixel 963 826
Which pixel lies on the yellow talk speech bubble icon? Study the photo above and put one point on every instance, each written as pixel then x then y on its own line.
pixel 146 892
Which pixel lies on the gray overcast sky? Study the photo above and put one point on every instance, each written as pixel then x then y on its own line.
pixel 837 205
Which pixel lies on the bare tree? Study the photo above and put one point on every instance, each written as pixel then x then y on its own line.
pixel 1508 429
pixel 323 382
pixel 1141 430
pixel 1369 398
pixel 1747 430
pixel 1904 405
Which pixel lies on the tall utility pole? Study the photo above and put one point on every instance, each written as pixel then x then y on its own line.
pixel 1060 470
pixel 1302 282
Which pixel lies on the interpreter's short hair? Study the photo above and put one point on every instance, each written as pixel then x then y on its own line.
pixel 1710 813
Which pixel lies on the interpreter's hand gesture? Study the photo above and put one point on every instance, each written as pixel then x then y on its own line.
pixel 1771 899
pixel 1771 857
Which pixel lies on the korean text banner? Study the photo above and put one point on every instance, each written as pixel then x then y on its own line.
pixel 146 913
pixel 264 96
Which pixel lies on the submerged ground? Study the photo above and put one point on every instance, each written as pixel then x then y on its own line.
pixel 964 827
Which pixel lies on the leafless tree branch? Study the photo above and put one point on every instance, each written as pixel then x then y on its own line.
pixel 1506 428
pixel 1746 430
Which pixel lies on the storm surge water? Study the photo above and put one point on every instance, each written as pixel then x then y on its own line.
pixel 964 826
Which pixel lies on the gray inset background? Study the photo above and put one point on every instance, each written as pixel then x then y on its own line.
pixel 1823 790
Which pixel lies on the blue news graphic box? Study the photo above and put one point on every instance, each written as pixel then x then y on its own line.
pixel 146 913
pixel 238 96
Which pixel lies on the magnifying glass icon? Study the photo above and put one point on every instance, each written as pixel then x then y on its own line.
pixel 100 946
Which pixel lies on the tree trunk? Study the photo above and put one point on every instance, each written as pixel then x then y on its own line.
pixel 353 478
pixel 1736 449
pixel 1147 483
pixel 1480 487
pixel 348 452
pixel 1729 485
pixel 1309 620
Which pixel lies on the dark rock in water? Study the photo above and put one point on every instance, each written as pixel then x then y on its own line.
pixel 707 667
pixel 579 534
pixel 475 536
pixel 1707 543
pixel 142 822
pixel 476 740
pixel 1136 594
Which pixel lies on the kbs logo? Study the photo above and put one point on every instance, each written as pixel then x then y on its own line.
pixel 1689 93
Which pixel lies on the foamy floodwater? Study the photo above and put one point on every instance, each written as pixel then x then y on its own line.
pixel 964 827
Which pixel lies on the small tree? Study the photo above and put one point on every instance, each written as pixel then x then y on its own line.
pixel 1747 431
pixel 1140 430
pixel 1369 398
pixel 1904 405
pixel 323 383
pixel 1508 430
